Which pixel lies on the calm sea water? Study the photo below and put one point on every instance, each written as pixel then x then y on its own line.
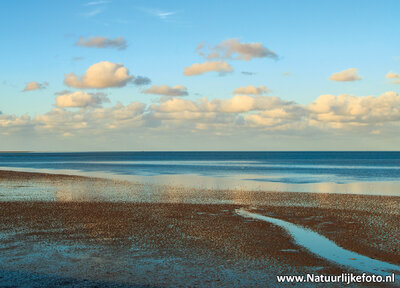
pixel 340 172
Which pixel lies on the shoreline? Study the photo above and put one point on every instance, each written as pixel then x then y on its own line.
pixel 252 183
pixel 22 175
pixel 165 235
pixel 14 175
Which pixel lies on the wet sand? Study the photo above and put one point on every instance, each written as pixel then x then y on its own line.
pixel 122 244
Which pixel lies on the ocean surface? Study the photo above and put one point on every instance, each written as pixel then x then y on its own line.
pixel 376 173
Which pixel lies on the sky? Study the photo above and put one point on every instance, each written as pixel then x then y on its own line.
pixel 101 75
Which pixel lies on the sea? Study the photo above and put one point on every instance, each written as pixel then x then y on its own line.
pixel 369 173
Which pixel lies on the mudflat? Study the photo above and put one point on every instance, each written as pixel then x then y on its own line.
pixel 131 244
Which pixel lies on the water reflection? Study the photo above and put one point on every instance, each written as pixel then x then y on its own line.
pixel 327 249
pixel 173 188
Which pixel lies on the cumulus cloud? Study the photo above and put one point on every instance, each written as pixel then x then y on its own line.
pixel 102 42
pixel 246 103
pixel 81 99
pixel 175 105
pixel 16 125
pixel 237 104
pixel 93 121
pixel 251 90
pixel 395 76
pixel 371 115
pixel 12 121
pixel 239 112
pixel 120 116
pixel 327 111
pixel 392 75
pixel 228 49
pixel 233 49
pixel 200 68
pixel 286 117
pixel 346 75
pixel 178 90
pixel 346 109
pixel 31 86
pixel 100 75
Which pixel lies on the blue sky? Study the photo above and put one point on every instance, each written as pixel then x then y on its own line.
pixel 312 41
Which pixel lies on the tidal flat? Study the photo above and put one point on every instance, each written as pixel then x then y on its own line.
pixel 71 240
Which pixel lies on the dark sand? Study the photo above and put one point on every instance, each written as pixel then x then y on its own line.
pixel 113 244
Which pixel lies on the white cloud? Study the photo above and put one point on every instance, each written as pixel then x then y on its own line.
pixel 342 111
pixel 94 3
pixel 285 116
pixel 12 121
pixel 251 90
pixel 178 90
pixel 237 104
pixel 348 75
pixel 31 86
pixel 102 42
pixel 96 6
pixel 394 76
pixel 81 99
pixel 373 116
pixel 200 68
pixel 93 121
pixel 100 75
pixel 175 105
pixel 233 49
pixel 239 113
pixel 93 12
pixel 347 109
pixel 163 15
